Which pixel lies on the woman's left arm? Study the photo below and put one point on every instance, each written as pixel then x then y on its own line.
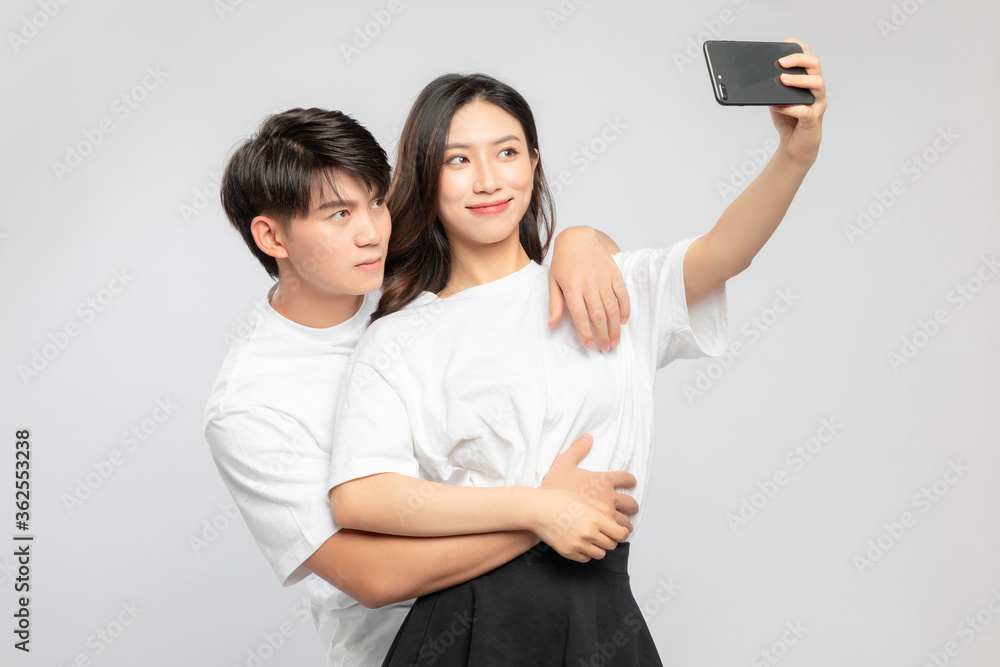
pixel 748 223
pixel 585 280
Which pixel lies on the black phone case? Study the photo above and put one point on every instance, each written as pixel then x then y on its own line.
pixel 748 73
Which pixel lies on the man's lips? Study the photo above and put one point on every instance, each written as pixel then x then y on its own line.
pixel 490 207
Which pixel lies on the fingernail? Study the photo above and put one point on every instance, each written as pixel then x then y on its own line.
pixel 614 343
pixel 587 437
pixel 786 76
pixel 604 347
pixel 589 345
pixel 785 60
pixel 624 320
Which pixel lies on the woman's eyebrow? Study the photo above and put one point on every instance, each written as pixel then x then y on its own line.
pixel 501 140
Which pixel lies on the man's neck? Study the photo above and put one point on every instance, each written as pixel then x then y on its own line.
pixel 313 310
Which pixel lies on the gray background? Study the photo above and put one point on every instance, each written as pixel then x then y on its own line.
pixel 143 201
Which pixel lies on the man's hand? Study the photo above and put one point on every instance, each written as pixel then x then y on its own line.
pixel 566 474
pixel 585 279
pixel 578 527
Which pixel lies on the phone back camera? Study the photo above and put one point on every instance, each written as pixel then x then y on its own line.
pixel 722 91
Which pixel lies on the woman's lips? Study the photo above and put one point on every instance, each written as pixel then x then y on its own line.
pixel 372 265
pixel 491 207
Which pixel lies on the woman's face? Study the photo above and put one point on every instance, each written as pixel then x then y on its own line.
pixel 487 176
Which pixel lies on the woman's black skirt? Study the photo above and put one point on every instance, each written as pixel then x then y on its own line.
pixel 538 609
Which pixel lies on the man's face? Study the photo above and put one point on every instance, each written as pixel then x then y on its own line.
pixel 339 247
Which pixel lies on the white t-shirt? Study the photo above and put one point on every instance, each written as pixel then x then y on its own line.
pixel 269 425
pixel 476 390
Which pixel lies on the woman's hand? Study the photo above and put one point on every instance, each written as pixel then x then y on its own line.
pixel 585 279
pixel 800 126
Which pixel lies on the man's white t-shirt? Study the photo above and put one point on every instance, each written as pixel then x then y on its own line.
pixel 269 425
pixel 476 390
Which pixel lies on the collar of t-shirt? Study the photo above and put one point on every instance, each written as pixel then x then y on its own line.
pixel 512 281
pixel 348 330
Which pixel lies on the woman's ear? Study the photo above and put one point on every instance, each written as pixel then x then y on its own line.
pixel 535 157
pixel 269 235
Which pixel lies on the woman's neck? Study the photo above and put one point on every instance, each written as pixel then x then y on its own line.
pixel 481 264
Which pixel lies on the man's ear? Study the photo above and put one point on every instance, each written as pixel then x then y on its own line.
pixel 270 236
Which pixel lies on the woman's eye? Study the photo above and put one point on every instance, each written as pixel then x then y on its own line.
pixel 457 159
pixel 508 152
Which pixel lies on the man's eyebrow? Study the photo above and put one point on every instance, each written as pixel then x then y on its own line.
pixel 501 140
pixel 336 203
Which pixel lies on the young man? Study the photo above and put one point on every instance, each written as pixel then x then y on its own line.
pixel 307 196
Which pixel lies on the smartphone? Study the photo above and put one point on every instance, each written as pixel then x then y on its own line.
pixel 748 73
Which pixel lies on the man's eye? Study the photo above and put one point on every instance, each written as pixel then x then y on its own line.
pixel 339 215
pixel 378 203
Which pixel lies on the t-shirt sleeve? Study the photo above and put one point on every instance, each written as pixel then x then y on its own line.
pixel 660 318
pixel 276 473
pixel 372 431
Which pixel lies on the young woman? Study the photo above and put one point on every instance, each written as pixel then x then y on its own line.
pixel 470 209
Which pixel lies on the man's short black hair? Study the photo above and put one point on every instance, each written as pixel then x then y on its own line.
pixel 275 172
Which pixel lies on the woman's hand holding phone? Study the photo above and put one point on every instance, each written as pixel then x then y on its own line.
pixel 753 74
pixel 800 126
